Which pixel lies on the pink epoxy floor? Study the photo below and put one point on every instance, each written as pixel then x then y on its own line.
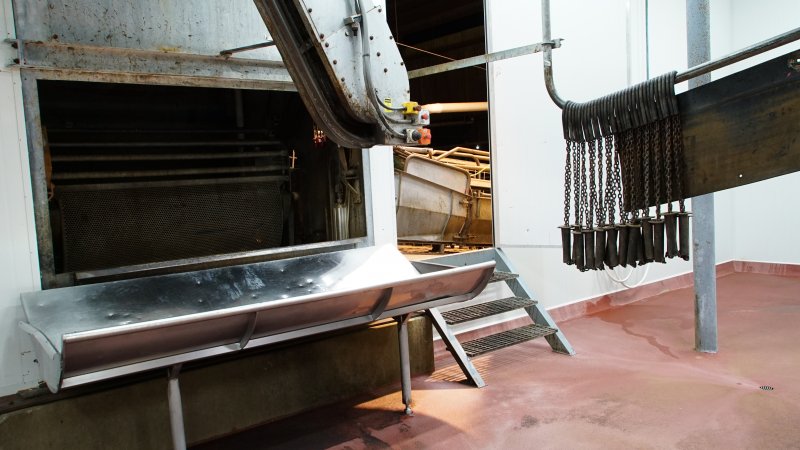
pixel 635 382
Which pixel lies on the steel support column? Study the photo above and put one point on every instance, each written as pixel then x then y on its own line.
pixel 405 360
pixel 175 408
pixel 698 34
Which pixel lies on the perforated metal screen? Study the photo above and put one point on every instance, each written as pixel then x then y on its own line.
pixel 125 226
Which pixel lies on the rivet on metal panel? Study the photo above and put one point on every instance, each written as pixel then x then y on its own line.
pixel 385 70
pixel 378 54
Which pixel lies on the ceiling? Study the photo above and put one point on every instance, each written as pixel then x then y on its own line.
pixel 435 32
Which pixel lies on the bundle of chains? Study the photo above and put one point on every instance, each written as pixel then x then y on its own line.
pixel 624 155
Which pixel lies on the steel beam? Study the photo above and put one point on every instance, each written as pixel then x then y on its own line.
pixel 742 128
pixel 148 65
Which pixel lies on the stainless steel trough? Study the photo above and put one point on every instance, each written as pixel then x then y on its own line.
pixel 88 333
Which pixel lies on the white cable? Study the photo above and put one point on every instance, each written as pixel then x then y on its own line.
pixel 372 93
pixel 623 281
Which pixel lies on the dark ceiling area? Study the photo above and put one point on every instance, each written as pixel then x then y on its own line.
pixel 435 32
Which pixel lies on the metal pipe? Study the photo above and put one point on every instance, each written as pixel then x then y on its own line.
pixel 482 154
pixel 481 59
pixel 474 151
pixel 405 361
pixel 167 157
pixel 137 131
pixel 441 108
pixel 163 173
pixel 698 34
pixel 231 51
pixel 170 183
pixel 160 144
pixel 175 408
pixel 547 56
pixel 702 68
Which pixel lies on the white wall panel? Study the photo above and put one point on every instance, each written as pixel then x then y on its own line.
pixel 603 49
pixel 19 271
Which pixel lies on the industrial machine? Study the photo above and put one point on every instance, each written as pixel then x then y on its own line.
pixel 358 103
pixel 190 206
pixel 188 203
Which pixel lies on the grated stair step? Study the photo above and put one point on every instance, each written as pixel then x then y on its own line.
pixel 487 309
pixel 502 276
pixel 506 339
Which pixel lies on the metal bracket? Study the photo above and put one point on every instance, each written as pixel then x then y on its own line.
pixel 15 55
pixel 354 23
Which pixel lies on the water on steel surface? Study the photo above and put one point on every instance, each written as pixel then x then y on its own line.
pixel 57 312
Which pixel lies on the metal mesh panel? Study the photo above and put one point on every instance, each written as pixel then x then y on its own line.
pixel 482 310
pixel 125 226
pixel 506 339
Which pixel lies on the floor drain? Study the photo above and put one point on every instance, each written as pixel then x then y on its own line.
pixel 766 388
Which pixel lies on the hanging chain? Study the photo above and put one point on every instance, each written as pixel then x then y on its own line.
pixel 567 183
pixel 648 135
pixel 635 171
pixel 584 196
pixel 627 176
pixel 618 144
pixel 590 219
pixel 677 153
pixel 668 152
pixel 600 197
pixel 629 170
pixel 576 183
pixel 657 167
pixel 610 198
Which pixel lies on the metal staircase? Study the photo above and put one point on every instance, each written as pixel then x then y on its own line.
pixel 521 299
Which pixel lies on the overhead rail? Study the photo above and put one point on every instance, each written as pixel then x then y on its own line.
pixel 692 72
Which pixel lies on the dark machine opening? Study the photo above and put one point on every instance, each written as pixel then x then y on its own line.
pixel 428 34
pixel 142 175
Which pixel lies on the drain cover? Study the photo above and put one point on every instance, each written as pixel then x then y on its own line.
pixel 766 388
